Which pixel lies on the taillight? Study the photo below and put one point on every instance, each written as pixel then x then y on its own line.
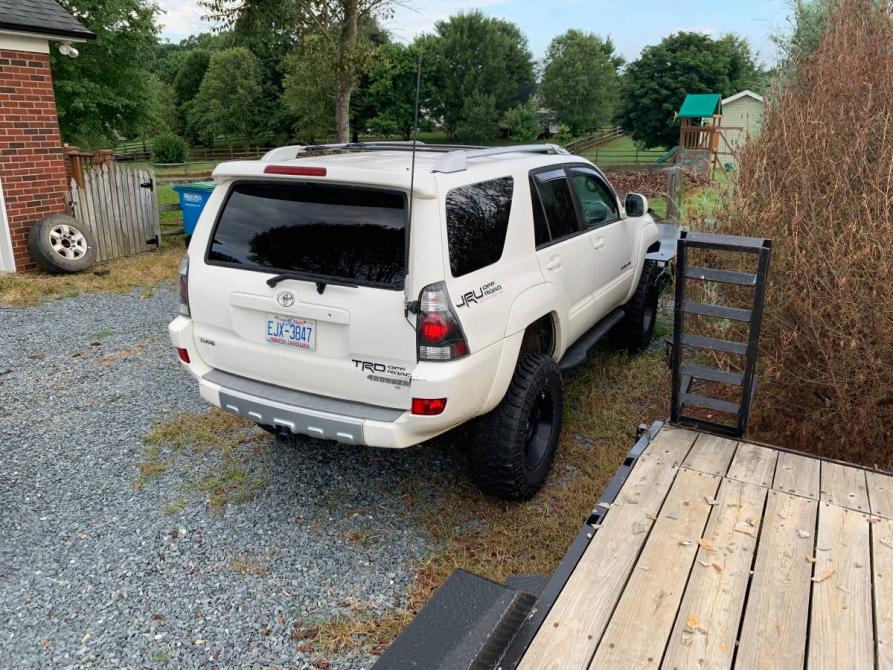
pixel 298 171
pixel 439 334
pixel 183 354
pixel 183 281
pixel 428 406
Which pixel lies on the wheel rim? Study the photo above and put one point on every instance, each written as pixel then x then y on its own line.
pixel 68 241
pixel 540 422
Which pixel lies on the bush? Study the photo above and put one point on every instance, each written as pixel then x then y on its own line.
pixel 169 148
pixel 478 125
pixel 523 123
pixel 563 135
pixel 817 181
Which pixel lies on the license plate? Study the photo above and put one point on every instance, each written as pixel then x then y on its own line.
pixel 297 333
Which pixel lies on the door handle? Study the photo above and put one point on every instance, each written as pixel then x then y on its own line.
pixel 554 263
pixel 599 243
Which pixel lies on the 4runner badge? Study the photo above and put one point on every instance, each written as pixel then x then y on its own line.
pixel 486 291
pixel 286 299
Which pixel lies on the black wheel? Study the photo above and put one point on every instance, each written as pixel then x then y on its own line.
pixel 514 445
pixel 61 243
pixel 634 332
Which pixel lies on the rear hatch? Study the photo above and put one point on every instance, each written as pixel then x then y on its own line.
pixel 302 286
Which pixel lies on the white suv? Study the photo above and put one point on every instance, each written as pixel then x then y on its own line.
pixel 375 296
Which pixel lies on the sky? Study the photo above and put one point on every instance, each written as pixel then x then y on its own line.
pixel 632 25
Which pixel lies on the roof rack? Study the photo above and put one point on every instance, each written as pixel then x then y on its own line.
pixel 455 158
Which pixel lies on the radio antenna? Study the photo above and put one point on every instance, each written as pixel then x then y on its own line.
pixel 415 129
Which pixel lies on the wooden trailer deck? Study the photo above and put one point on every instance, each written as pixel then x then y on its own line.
pixel 720 554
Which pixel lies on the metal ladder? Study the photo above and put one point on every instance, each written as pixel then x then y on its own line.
pixel 685 373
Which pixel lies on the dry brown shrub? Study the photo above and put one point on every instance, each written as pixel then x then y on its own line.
pixel 819 182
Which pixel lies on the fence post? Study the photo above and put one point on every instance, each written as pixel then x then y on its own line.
pixel 674 182
pixel 75 168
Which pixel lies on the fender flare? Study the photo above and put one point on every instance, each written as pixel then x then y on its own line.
pixel 644 241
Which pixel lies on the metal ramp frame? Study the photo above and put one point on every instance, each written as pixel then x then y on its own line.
pixel 684 373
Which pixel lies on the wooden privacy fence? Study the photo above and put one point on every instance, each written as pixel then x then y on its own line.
pixel 118 206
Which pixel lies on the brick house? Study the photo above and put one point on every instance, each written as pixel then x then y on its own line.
pixel 32 165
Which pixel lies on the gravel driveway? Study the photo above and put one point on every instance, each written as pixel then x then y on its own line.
pixel 95 572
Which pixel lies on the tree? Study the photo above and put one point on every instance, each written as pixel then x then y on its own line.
pixel 580 80
pixel 479 115
pixel 523 122
pixel 160 116
pixel 308 93
pixel 655 85
pixel 190 74
pixel 474 55
pixel 102 93
pixel 336 22
pixel 387 99
pixel 225 104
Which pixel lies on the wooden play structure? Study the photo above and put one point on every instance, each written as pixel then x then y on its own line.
pixel 700 132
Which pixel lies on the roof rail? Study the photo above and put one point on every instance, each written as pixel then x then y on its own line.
pixel 456 161
pixel 455 158
pixel 295 150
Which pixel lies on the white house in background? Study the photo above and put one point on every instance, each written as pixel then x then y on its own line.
pixel 742 118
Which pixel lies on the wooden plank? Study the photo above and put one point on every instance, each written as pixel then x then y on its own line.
pixel 797 475
pixel 753 464
pixel 882 567
pixel 841 631
pixel 130 200
pixel 880 494
pixel 718 583
pixel 711 454
pixel 774 631
pixel 92 189
pixel 574 625
pixel 640 626
pixel 844 486
pixel 108 213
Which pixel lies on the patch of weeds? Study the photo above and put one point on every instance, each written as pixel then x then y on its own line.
pixel 175 507
pixel 161 656
pixel 605 400
pixel 363 537
pixel 103 334
pixel 244 564
pixel 220 455
pixel 27 289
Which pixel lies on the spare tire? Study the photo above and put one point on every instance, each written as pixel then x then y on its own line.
pixel 61 243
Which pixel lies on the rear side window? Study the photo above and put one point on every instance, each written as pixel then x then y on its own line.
pixel 356 234
pixel 477 222
pixel 558 203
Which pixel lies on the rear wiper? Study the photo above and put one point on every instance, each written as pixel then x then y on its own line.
pixel 321 281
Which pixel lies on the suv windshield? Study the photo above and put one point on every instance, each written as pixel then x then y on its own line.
pixel 351 233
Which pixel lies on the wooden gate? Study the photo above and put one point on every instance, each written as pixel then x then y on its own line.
pixel 118 205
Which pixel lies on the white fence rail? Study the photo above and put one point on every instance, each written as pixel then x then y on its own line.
pixel 118 205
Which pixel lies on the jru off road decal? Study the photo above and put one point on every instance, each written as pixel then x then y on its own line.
pixel 480 294
pixel 396 374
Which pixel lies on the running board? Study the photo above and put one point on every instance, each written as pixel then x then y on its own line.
pixel 577 352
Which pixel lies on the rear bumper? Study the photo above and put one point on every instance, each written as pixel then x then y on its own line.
pixel 468 384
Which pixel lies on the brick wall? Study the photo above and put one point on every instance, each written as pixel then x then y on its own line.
pixel 32 166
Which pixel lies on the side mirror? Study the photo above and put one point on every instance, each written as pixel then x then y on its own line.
pixel 635 204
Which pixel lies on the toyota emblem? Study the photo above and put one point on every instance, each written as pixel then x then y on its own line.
pixel 286 299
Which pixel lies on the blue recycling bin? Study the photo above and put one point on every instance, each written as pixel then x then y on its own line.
pixel 192 201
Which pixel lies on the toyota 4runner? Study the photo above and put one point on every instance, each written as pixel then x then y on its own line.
pixel 375 295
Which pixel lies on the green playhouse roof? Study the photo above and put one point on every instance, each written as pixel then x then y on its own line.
pixel 699 105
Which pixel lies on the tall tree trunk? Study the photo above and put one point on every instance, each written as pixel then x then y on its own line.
pixel 346 57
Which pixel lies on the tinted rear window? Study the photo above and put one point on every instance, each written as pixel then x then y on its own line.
pixel 349 233
pixel 477 221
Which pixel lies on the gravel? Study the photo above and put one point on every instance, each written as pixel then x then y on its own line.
pixel 96 572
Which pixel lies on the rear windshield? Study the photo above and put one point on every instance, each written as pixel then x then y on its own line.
pixel 356 234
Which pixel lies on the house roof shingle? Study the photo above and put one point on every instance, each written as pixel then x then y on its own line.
pixel 44 17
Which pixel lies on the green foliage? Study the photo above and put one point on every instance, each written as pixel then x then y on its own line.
pixel 523 123
pixel 161 115
pixel 389 93
pixel 580 80
pixel 471 55
pixel 102 93
pixel 189 75
pixel 655 85
pixel 226 103
pixel 309 90
pixel 169 148
pixel 563 135
pixel 809 19
pixel 479 115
